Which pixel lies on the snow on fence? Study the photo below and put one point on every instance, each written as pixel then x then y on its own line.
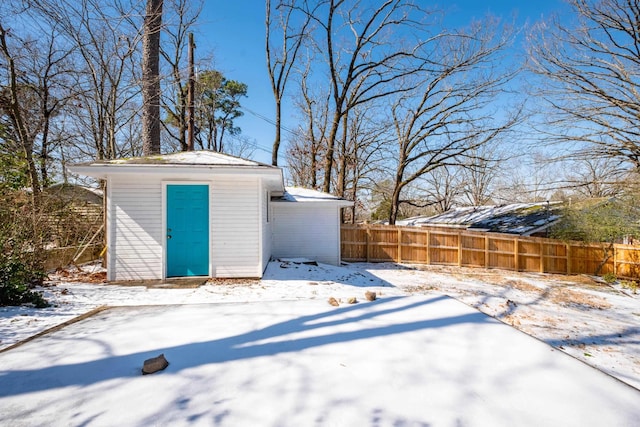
pixel 384 243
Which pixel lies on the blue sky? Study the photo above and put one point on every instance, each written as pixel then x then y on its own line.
pixel 233 31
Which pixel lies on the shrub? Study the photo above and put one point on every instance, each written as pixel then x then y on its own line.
pixel 16 282
pixel 632 285
pixel 605 222
pixel 21 263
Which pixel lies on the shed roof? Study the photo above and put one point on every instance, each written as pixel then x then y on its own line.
pixel 191 158
pixel 174 164
pixel 305 195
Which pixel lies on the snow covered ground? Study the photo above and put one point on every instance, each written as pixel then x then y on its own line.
pixel 593 322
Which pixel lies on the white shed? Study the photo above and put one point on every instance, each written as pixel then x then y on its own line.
pixel 197 213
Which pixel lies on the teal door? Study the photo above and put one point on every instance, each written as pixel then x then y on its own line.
pixel 187 230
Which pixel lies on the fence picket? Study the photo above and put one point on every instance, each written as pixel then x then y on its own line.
pixel 447 248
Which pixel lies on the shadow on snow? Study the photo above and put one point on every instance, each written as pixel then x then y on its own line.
pixel 243 346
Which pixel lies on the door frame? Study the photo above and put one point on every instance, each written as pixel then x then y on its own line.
pixel 209 185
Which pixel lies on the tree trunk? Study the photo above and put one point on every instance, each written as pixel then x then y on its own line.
pixel 344 158
pixel 191 96
pixel 395 206
pixel 608 253
pixel 276 142
pixel 331 141
pixel 151 78
pixel 397 188
pixel 314 166
pixel 215 137
pixel 44 152
pixel 220 147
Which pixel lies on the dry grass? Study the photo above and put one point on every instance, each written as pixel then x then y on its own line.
pixel 563 290
pixel 570 297
pixel 81 276
pixel 520 285
pixel 233 282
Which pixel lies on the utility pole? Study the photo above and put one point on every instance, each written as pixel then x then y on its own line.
pixel 191 96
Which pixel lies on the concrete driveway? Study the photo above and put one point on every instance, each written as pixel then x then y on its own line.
pixel 400 361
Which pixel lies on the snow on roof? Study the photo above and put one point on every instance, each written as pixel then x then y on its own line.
pixel 206 158
pixel 204 163
pixel 462 216
pixel 516 218
pixel 298 194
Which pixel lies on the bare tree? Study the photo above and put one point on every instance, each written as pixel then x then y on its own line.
pixel 592 79
pixel 182 17
pixel 299 170
pixel 527 180
pixel 596 178
pixel 308 143
pixel 105 37
pixel 241 146
pixel 480 171
pixel 281 59
pixel 12 101
pixel 38 89
pixel 448 117
pixel 151 78
pixel 51 70
pixel 361 157
pixel 365 54
pixel 443 187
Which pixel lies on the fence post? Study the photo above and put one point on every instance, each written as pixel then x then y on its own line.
pixel 568 258
pixel 428 247
pixel 541 257
pixel 615 260
pixel 399 257
pixel 460 249
pixel 486 251
pixel 516 253
pixel 367 240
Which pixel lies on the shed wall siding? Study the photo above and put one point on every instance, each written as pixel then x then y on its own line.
pixel 306 230
pixel 266 227
pixel 135 245
pixel 110 232
pixel 235 228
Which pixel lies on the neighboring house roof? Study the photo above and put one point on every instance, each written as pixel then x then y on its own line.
pixel 198 162
pixel 518 218
pixel 305 195
pixel 75 193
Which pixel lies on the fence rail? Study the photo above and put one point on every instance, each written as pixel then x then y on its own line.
pixel 384 243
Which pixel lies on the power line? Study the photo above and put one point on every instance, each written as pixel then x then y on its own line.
pixel 268 120
pixel 255 145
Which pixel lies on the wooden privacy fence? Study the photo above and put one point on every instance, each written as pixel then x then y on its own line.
pixel 384 243
pixel 62 257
